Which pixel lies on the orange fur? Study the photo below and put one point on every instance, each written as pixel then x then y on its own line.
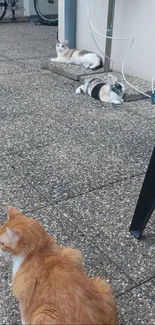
pixel 50 283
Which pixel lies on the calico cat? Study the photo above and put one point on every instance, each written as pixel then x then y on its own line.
pixel 111 92
pixel 87 59
pixel 49 281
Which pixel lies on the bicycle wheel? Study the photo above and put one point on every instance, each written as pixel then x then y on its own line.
pixel 3 8
pixel 43 7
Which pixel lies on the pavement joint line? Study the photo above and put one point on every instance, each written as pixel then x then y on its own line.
pixel 82 193
pixel 113 262
pixel 86 192
pixel 107 256
pixel 100 187
pixel 55 204
pixel 99 248
pixel 95 245
pixel 86 236
pixel 136 286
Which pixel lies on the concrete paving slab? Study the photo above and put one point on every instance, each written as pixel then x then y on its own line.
pixel 98 264
pixel 69 70
pixel 25 85
pixel 21 66
pixel 142 108
pixel 65 233
pixel 85 153
pixel 15 48
pixel 105 216
pixel 25 51
pixel 26 132
pixel 31 93
pixel 15 190
pixel 2 56
pixel 149 286
pixel 61 145
pixel 24 32
pixel 9 67
pixel 135 307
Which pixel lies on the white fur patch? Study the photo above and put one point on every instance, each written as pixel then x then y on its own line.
pixel 12 236
pixel 17 261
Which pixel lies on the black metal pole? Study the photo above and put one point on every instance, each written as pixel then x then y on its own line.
pixel 146 201
pixel 108 45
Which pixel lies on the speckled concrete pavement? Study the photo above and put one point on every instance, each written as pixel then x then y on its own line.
pixel 77 166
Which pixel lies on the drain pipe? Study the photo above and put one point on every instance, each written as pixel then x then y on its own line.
pixel 110 23
pixel 70 22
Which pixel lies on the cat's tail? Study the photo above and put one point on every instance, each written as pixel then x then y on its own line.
pixel 102 286
pixel 73 255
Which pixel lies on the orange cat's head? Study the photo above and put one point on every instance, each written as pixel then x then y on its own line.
pixel 19 234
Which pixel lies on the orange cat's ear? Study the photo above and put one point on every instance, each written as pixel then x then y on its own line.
pixel 15 234
pixel 12 212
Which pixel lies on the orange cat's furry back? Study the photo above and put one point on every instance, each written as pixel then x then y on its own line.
pixel 49 281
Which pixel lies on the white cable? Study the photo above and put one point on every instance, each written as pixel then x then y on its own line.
pixel 125 57
pixel 92 27
pixel 100 49
pixel 123 64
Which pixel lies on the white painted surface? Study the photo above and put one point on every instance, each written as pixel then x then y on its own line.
pixel 98 10
pixel 61 15
pixel 132 18
pixel 135 18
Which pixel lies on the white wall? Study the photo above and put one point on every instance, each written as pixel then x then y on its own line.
pixel 135 18
pixel 83 37
pixel 61 15
pixel 98 12
pixel 132 18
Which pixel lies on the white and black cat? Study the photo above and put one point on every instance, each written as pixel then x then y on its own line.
pixel 110 92
pixel 87 59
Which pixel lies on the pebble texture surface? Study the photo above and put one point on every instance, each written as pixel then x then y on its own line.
pixel 77 166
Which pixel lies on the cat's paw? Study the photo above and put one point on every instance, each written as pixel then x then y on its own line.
pixel 78 90
pixel 86 66
pixel 115 101
pixel 54 60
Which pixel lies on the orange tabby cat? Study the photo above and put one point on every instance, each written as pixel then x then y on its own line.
pixel 49 281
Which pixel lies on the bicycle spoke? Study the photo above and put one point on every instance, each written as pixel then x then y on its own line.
pixel 3 8
pixel 46 10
